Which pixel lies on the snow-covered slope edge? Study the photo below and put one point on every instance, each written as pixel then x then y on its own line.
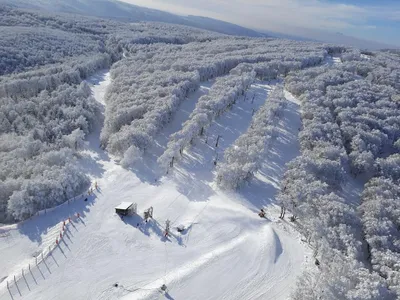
pixel 126 12
pixel 227 251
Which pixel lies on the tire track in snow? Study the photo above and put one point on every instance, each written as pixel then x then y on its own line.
pixel 189 269
pixel 269 249
pixel 266 254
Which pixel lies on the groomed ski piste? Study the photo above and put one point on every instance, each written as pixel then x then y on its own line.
pixel 225 252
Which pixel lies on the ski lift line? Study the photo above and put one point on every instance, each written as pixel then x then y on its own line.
pixel 166 263
pixel 166 252
pixel 177 197
pixel 208 202
pixel 133 289
pixel 173 222
pixel 166 255
pixel 198 215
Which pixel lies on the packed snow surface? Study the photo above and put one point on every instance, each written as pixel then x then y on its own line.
pixel 226 250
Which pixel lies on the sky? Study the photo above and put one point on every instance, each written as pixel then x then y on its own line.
pixel 376 20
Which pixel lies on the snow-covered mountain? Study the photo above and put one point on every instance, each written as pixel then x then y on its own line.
pixel 132 13
pixel 306 34
pixel 268 164
pixel 127 12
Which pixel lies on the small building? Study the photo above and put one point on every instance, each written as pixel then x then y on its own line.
pixel 126 208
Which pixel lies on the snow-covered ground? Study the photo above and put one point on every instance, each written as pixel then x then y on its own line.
pixel 364 56
pixel 226 251
pixel 332 60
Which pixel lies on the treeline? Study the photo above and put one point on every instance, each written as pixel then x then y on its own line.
pixel 368 116
pixel 244 157
pixel 223 94
pixel 39 141
pixel 380 213
pixel 150 83
pixel 39 51
pixel 369 122
pixel 30 84
pixel 348 124
pixel 31 40
pixel 221 97
pixel 45 109
pixel 157 99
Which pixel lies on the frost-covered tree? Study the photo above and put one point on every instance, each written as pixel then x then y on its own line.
pixel 167 73
pixel 222 95
pixel 37 149
pixel 243 158
pixel 343 278
pixel 348 108
pixel 381 222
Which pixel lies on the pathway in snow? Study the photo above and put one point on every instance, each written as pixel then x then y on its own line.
pixel 195 171
pixel 147 169
pixel 265 184
pixel 99 83
pixel 332 60
pixel 262 263
pixel 226 252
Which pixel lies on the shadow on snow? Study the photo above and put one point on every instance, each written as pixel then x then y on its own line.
pixel 147 169
pixel 151 226
pixel 194 172
pixel 282 150
pixel 36 226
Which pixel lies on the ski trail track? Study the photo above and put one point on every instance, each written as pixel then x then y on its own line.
pixel 282 150
pixel 147 169
pixel 195 170
pixel 226 251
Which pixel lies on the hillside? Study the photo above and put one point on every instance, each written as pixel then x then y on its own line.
pixel 271 166
pixel 125 12
pixel 220 229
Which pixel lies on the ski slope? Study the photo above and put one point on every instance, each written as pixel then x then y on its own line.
pixel 226 251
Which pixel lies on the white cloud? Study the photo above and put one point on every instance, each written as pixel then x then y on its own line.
pixel 284 16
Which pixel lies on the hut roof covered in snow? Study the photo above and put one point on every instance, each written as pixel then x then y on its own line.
pixel 124 205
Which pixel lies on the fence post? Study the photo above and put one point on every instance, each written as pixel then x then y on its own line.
pixel 15 281
pixel 36 260
pixel 216 144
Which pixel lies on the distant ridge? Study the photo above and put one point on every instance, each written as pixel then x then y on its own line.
pixel 126 12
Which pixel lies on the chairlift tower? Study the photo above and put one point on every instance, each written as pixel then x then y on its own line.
pixel 167 227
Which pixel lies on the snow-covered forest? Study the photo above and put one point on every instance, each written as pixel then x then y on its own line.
pixel 242 159
pixel 342 192
pixel 46 110
pixel 351 127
